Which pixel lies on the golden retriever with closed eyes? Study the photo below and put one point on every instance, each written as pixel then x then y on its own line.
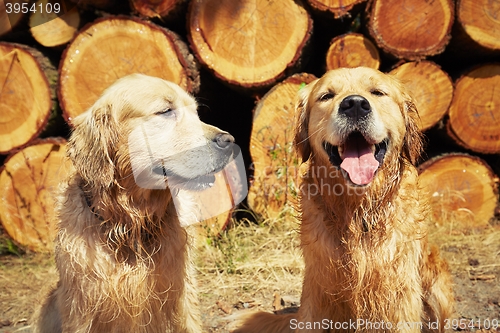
pixel 122 252
pixel 368 267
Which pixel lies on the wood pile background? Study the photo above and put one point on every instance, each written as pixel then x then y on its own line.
pixel 245 60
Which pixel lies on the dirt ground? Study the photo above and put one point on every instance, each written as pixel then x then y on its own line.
pixel 260 267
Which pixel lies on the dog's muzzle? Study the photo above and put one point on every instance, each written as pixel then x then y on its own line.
pixel 222 145
pixel 358 157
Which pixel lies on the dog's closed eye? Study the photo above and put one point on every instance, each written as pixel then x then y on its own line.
pixel 167 112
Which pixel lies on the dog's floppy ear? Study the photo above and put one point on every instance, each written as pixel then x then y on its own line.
pixel 413 140
pixel 90 145
pixel 301 140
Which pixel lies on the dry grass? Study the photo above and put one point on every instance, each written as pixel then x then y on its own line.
pixel 473 256
pixel 248 263
pixel 24 280
pixel 480 247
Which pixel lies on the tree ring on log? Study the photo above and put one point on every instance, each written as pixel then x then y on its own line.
pixel 25 97
pixel 275 165
pixel 462 188
pixel 50 29
pixel 481 20
pixel 248 43
pixel 29 180
pixel 113 47
pixel 338 8
pixel 431 88
pixel 352 50
pixel 413 29
pixel 474 115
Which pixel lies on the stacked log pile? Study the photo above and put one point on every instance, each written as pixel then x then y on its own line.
pixel 245 60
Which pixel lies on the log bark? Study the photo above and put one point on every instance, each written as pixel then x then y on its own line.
pixel 113 47
pixel 431 88
pixel 26 96
pixel 413 29
pixel 51 30
pixel 248 43
pixel 352 50
pixel 474 115
pixel 155 8
pixel 28 183
pixel 275 181
pixel 481 21
pixel 338 8
pixel 463 190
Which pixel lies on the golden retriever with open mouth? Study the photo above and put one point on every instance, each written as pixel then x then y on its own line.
pixel 122 252
pixel 368 267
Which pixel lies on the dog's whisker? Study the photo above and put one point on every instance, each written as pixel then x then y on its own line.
pixel 309 136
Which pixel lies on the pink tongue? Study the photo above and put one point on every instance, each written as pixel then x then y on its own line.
pixel 359 161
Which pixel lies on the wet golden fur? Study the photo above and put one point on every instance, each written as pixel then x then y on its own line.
pixel 365 248
pixel 125 262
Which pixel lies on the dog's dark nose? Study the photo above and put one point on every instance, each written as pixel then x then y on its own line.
pixel 224 140
pixel 355 107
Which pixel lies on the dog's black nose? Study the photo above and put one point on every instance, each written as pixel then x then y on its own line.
pixel 355 107
pixel 224 140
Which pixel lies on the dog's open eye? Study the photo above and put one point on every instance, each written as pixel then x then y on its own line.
pixel 327 96
pixel 377 92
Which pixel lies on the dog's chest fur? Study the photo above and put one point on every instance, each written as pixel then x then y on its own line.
pixel 356 269
pixel 119 295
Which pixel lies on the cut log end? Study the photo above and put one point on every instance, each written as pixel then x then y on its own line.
pixel 25 98
pixel 113 47
pixel 275 165
pixel 51 30
pixel 431 88
pixel 474 121
pixel 28 184
pixel 338 8
pixel 245 45
pixel 480 20
pixel 352 50
pixel 463 190
pixel 414 30
pixel 216 204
